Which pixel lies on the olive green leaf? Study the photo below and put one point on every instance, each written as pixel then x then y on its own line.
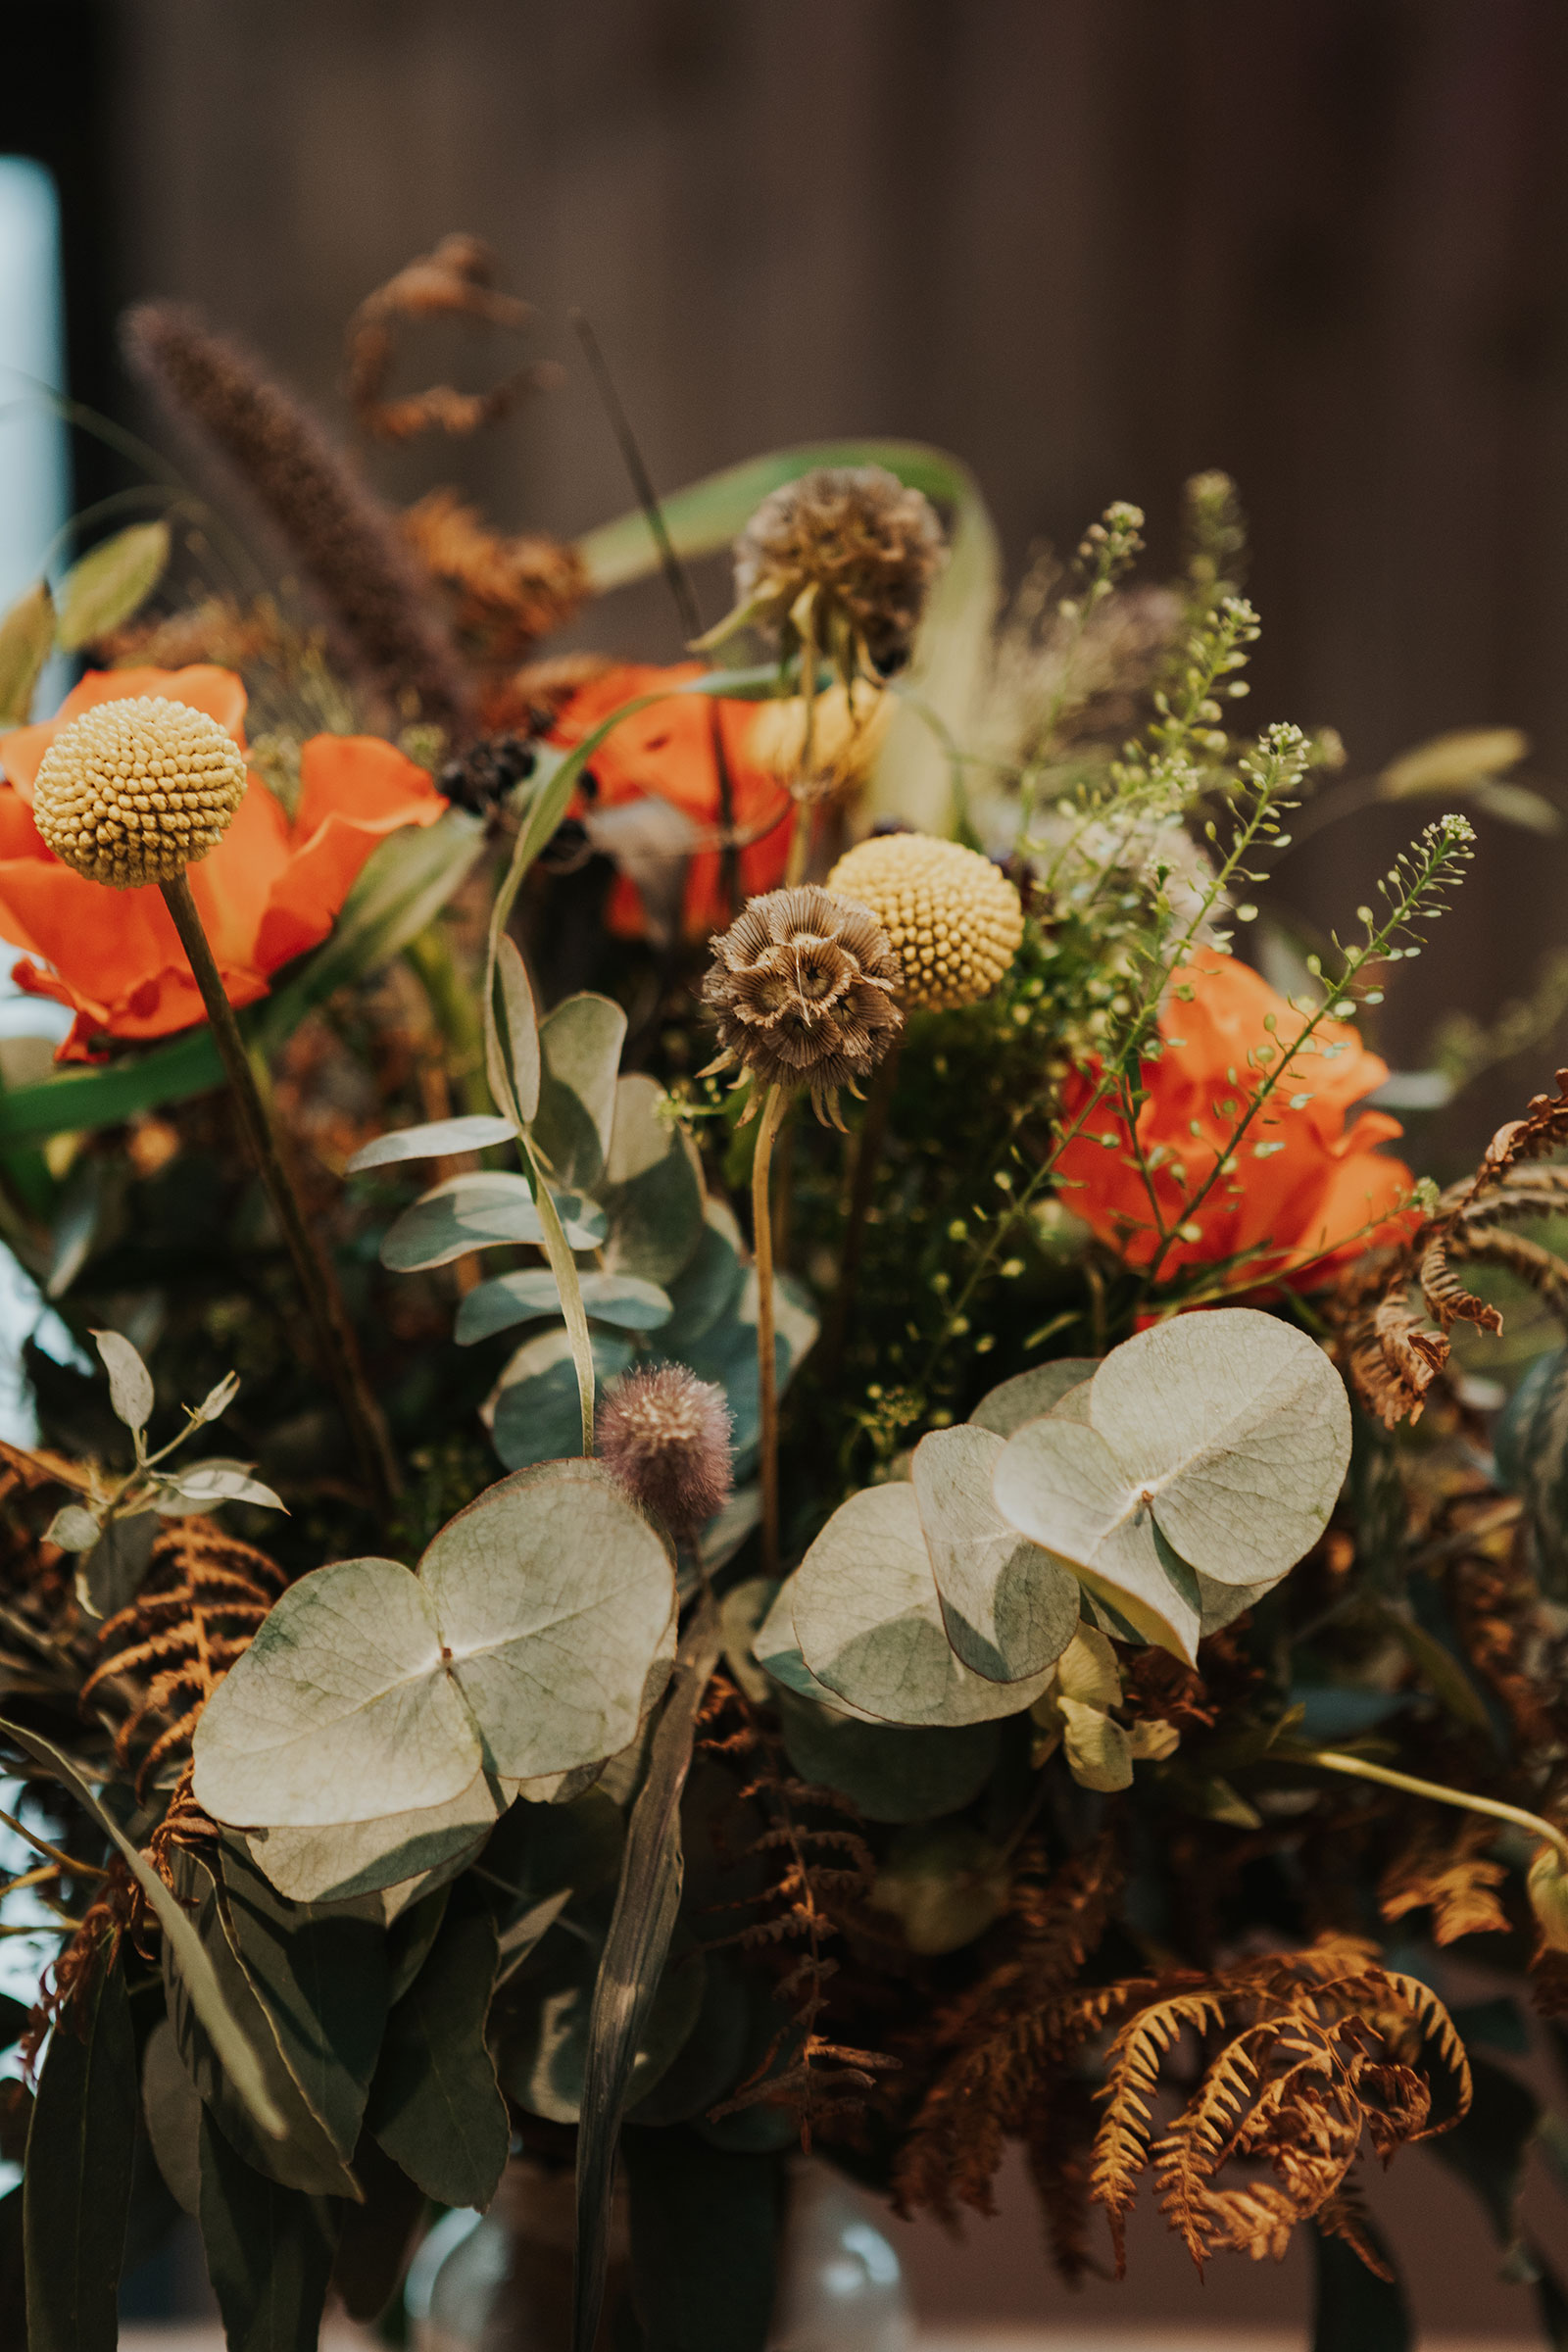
pixel 112 581
pixel 651 1187
pixel 130 1384
pixel 469 1212
pixel 708 1290
pixel 535 1409
pixel 268 2251
pixel 437 1139
pixel 886 1772
pixel 868 1619
pixel 78 2177
pixel 435 2105
pixel 172 2106
pixel 624 1300
pixel 27 640
pixel 580 1044
pixel 1076 1714
pixel 532 1640
pixel 517 1081
pixel 1009 1608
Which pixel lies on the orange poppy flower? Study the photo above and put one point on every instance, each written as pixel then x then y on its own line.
pixel 668 749
pixel 1304 1189
pixel 271 888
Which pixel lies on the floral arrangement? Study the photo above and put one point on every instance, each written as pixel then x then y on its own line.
pixel 840 1495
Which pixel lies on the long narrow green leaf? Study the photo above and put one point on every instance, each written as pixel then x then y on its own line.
pixel 410 878
pixel 207 1999
pixel 641 1925
pixel 77 2183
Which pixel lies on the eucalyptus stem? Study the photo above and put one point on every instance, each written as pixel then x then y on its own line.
pixel 335 1333
pixel 1329 1760
pixel 774 1106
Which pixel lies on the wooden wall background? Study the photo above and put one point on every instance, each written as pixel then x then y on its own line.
pixel 1090 244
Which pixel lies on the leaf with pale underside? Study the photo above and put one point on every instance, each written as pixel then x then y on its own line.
pixel 651 1187
pixel 581 1045
pixel 130 1384
pixel 205 1484
pixel 524 1069
pixel 531 1642
pixel 868 1619
pixel 535 1409
pixel 1028 1395
pixel 333 1862
pixel 437 1139
pixel 1009 1608
pixel 27 640
pixel 623 1299
pixel 469 1212
pixel 110 583
pixel 777 1652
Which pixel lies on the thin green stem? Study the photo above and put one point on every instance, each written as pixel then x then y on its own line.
pixel 774 1106
pixel 1356 1768
pixel 335 1333
pixel 867 1159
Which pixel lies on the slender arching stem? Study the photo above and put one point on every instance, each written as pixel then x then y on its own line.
pixel 1356 1768
pixel 867 1159
pixel 335 1333
pixel 775 1106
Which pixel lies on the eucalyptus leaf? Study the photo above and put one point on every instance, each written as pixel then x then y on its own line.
pixel 268 2251
pixel 437 1139
pixel 777 1652
pixel 1009 1608
pixel 130 1384
pixel 73 1528
pixel 203 1486
pixel 623 1299
pixel 1028 1395
pixel 651 1187
pixel 110 583
pixel 944 1882
pixel 545 2054
pixel 217 1400
pixel 111 1575
pixel 171 2107
pixel 868 1619
pixel 526 1061
pixel 534 1410
pixel 707 1292
pixel 580 1044
pixel 435 2105
pixel 27 640
pixel 526 1643
pixel 336 1861
pixel 469 1212
pixel 887 1773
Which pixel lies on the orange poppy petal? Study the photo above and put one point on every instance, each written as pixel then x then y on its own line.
pixel 354 790
pixel 221 693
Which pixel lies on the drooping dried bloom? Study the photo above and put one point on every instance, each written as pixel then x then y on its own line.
pixel 802 987
pixel 829 749
pixel 665 1435
pixel 955 920
pixel 455 281
pixel 340 534
pixel 863 540
pixel 137 791
pixel 506 593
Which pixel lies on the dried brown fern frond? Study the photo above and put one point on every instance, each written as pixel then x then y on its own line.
pixel 340 534
pixel 159 1660
pixel 219 629
pixel 455 281
pixel 1497 1612
pixel 818 1874
pixel 1391 1355
pixel 65 1982
pixel 506 593
pixel 1452 1877
pixel 1003 2050
pixel 1303 2056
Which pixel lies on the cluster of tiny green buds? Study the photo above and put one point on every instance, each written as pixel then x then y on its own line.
pixel 1218 534
pixel 1104 553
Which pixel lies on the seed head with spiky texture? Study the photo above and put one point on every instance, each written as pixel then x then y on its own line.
pixel 665 1435
pixel 954 919
pixel 867 545
pixel 136 791
pixel 802 986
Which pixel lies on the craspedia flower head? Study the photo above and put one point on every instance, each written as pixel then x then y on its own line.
pixel 136 791
pixel 802 987
pixel 665 1435
pixel 866 544
pixel 954 919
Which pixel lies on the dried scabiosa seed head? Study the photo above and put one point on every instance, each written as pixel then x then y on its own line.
pixel 802 986
pixel 664 1434
pixel 844 556
pixel 954 918
pixel 136 791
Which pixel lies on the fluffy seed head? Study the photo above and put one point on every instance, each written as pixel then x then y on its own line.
pixel 802 986
pixel 136 791
pixel 867 543
pixel 664 1434
pixel 954 920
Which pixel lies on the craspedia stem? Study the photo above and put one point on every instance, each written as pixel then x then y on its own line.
pixel 340 1355
pixel 774 1111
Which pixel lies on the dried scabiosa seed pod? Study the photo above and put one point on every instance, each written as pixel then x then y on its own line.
pixel 665 1435
pixel 840 562
pixel 954 918
pixel 136 791
pixel 803 989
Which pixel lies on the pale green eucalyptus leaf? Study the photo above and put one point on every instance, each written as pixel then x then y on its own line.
pixel 777 1652
pixel 73 1528
pixel 525 1066
pixel 868 1619
pixel 580 1044
pixel 340 1860
pixel 623 1299
pixel 472 1212
pixel 707 1292
pixel 437 1139
pixel 205 1484
pixel 534 1411
pixel 130 1384
pixel 110 1576
pixel 110 583
pixel 1099 1754
pixel 888 1773
pixel 1009 1608
pixel 651 1188
pixel 1028 1395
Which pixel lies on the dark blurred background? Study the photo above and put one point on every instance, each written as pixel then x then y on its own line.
pixel 1089 245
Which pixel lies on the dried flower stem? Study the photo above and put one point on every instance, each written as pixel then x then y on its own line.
pixel 1329 1760
pixel 334 1332
pixel 774 1111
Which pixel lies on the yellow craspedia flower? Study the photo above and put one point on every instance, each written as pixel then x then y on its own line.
pixel 954 919
pixel 136 791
